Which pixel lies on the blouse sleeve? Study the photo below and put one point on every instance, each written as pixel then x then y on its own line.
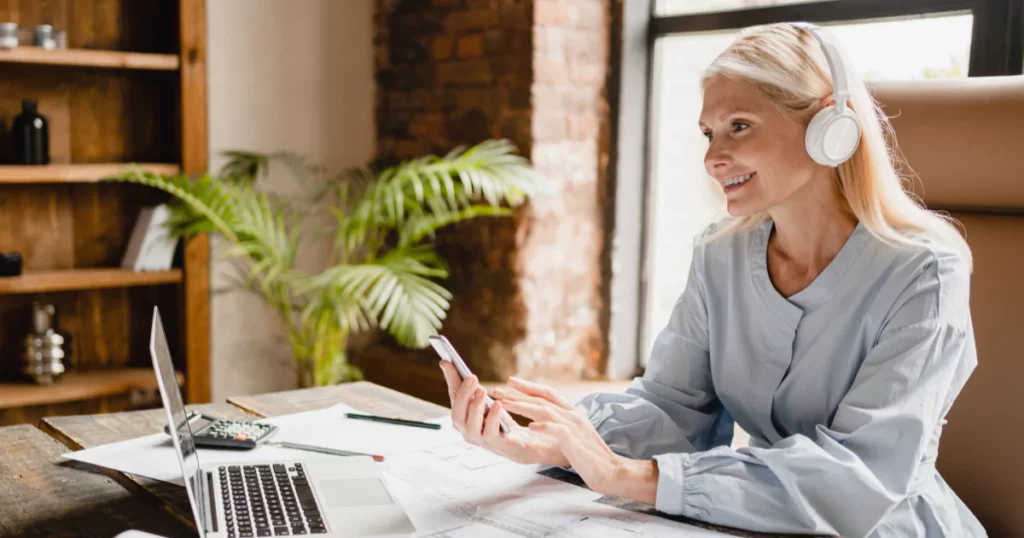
pixel 673 407
pixel 847 475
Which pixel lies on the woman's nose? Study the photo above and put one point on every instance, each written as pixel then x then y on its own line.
pixel 716 158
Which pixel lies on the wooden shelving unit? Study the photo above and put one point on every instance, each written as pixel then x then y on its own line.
pixel 85 279
pixel 77 386
pixel 130 90
pixel 76 173
pixel 109 59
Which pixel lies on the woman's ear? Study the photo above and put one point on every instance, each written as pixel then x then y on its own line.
pixel 829 101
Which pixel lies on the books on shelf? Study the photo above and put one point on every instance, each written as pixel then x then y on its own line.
pixel 151 247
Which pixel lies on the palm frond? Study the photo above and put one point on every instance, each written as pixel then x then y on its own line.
pixel 244 165
pixel 421 226
pixel 266 236
pixel 206 202
pixel 445 187
pixel 396 290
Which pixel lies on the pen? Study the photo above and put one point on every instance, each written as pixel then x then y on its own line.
pixel 324 450
pixel 403 422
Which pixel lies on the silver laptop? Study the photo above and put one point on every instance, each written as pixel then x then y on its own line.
pixel 320 495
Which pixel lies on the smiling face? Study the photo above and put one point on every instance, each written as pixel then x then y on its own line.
pixel 756 151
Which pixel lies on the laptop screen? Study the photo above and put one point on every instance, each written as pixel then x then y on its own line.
pixel 175 408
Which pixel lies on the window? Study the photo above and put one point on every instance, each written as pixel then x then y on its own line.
pixel 882 43
pixel 682 7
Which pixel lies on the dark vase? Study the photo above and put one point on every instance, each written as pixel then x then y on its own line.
pixel 31 136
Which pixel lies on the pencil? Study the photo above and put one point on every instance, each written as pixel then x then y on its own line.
pixel 324 450
pixel 388 420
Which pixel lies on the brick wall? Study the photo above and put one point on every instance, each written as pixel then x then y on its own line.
pixel 529 293
pixel 561 281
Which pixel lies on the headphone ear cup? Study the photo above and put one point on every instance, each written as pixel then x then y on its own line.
pixel 832 136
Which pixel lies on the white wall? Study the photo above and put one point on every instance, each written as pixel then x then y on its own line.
pixel 292 75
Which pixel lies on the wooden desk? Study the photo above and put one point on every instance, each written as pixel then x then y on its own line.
pixel 43 495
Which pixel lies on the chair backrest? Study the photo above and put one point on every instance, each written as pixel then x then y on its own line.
pixel 965 140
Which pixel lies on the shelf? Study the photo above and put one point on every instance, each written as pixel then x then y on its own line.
pixel 90 58
pixel 79 385
pixel 85 279
pixel 75 173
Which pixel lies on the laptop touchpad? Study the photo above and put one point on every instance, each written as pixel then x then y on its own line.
pixel 342 492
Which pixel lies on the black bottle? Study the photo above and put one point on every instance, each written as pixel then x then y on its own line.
pixel 31 136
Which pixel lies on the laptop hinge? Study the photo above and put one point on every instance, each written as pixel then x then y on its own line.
pixel 211 504
pixel 205 500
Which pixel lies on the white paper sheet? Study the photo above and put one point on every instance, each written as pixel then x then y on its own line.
pixel 329 427
pixel 153 456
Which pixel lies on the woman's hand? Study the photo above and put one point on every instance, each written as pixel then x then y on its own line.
pixel 604 471
pixel 482 428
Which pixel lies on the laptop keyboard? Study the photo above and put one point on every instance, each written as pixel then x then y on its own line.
pixel 268 500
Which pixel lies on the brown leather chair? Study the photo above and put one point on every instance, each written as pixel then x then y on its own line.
pixel 965 140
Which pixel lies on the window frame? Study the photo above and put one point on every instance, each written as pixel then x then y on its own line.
pixel 997 49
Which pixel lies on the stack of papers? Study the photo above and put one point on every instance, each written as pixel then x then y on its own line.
pixel 449 489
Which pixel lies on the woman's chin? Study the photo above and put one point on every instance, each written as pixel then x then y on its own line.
pixel 742 208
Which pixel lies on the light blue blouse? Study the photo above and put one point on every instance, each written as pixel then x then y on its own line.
pixel 843 388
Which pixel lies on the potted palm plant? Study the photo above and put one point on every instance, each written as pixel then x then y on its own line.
pixel 383 271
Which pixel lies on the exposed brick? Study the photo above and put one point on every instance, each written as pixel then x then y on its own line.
pixel 471 46
pixel 548 71
pixel 529 291
pixel 550 13
pixel 495 43
pixel 583 127
pixel 473 20
pixel 427 125
pixel 550 126
pixel 519 98
pixel 465 73
pixel 410 148
pixel 442 48
pixel 587 73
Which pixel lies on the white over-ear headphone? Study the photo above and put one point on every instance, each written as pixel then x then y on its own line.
pixel 833 134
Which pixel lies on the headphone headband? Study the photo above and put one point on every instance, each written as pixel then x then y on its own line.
pixel 836 65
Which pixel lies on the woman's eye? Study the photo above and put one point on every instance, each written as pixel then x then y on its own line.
pixel 740 126
pixel 709 135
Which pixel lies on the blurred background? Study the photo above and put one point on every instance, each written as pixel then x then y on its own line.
pixel 567 284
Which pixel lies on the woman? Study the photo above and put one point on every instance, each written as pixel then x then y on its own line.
pixel 828 317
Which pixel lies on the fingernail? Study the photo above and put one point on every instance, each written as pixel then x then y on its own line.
pixel 499 392
pixel 517 379
pixel 479 393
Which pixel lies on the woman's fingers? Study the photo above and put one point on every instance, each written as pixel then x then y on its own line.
pixel 451 378
pixel 540 412
pixel 542 391
pixel 460 405
pixel 559 431
pixel 475 416
pixel 492 424
pixel 513 395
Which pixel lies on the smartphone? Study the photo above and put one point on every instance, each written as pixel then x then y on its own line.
pixel 446 350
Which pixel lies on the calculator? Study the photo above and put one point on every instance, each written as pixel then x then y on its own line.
pixel 221 433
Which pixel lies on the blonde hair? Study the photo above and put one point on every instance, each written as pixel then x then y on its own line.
pixel 786 63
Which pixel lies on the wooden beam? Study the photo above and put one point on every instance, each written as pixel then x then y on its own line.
pixel 192 17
